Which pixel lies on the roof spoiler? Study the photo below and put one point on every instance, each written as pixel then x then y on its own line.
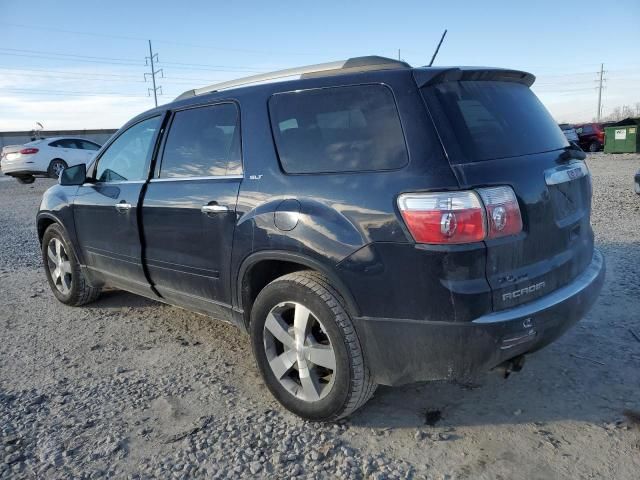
pixel 430 76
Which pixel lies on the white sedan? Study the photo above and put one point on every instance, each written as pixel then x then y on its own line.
pixel 46 157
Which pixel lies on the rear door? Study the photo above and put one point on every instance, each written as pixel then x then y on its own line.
pixel 498 133
pixel 106 209
pixel 189 209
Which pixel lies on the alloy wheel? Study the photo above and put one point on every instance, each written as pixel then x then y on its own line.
pixel 57 168
pixel 299 351
pixel 59 266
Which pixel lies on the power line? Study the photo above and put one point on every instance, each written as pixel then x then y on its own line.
pixel 69 93
pixel 78 73
pixel 170 42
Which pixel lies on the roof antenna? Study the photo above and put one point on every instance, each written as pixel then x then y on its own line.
pixel 437 48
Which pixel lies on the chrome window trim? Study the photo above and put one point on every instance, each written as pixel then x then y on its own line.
pixel 113 182
pixel 211 177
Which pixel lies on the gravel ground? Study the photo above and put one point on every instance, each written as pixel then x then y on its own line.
pixel 127 387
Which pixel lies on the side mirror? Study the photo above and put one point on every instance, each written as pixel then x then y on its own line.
pixel 75 175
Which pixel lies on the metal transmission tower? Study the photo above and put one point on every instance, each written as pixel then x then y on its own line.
pixel 150 61
pixel 600 80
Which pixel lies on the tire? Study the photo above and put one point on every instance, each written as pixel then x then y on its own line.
pixel 26 180
pixel 333 394
pixel 594 146
pixel 55 168
pixel 66 280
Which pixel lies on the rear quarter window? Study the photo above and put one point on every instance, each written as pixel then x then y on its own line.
pixel 484 120
pixel 338 129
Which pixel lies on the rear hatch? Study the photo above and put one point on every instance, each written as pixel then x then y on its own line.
pixel 496 132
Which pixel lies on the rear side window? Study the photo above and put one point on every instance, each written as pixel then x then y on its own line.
pixel 67 143
pixel 203 142
pixel 85 145
pixel 484 120
pixel 339 129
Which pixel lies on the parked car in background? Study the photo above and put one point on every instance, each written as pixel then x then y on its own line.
pixel 45 157
pixel 569 132
pixel 590 136
pixel 291 208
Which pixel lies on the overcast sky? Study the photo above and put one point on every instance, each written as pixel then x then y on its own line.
pixel 81 64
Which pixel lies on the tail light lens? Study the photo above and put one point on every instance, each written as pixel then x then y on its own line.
pixel 461 217
pixel 503 212
pixel 444 217
pixel 28 151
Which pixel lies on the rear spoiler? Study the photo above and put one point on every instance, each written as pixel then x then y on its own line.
pixel 429 76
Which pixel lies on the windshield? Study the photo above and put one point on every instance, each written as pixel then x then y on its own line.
pixel 484 120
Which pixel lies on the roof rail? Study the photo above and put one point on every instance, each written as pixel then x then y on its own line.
pixel 352 65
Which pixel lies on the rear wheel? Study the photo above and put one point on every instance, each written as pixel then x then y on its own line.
pixel 63 271
pixel 307 350
pixel 26 180
pixel 594 147
pixel 56 167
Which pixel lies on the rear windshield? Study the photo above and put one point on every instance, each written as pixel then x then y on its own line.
pixel 338 129
pixel 484 120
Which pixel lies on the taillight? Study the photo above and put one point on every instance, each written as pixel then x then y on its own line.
pixel 444 217
pixel 28 151
pixel 503 212
pixel 461 217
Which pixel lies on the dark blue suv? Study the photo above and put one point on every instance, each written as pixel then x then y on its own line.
pixel 366 222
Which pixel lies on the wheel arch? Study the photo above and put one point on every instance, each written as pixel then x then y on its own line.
pixel 44 221
pixel 260 268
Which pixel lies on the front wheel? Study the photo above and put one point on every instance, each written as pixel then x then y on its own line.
pixel 307 350
pixel 64 274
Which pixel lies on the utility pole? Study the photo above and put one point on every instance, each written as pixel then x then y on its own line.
pixel 600 94
pixel 398 54
pixel 150 60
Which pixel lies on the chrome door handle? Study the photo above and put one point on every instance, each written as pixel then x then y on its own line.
pixel 123 206
pixel 214 209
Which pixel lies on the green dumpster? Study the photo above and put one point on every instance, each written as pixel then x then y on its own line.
pixel 623 139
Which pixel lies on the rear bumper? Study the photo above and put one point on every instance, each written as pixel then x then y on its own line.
pixel 400 351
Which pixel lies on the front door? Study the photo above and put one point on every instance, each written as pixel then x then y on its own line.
pixel 106 208
pixel 189 209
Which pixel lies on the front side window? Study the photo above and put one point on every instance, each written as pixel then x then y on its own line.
pixel 203 142
pixel 127 157
pixel 338 129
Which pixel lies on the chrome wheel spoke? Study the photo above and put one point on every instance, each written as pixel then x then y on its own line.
pixel 51 254
pixel 310 387
pixel 279 330
pixel 301 323
pixel 65 267
pixel 322 355
pixel 58 245
pixel 282 364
